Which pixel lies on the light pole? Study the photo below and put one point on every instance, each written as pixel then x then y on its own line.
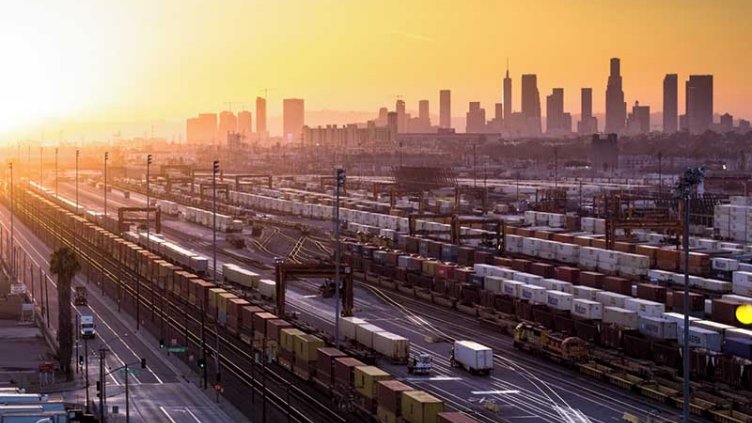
pixel 77 154
pixel 41 167
pixel 12 229
pixel 106 157
pixel 215 170
pixel 56 192
pixel 688 181
pixel 148 205
pixel 340 174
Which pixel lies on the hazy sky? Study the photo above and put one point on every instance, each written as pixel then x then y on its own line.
pixel 142 60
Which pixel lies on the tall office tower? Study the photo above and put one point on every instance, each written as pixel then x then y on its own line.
pixel 475 119
pixel 245 123
pixel 193 131
pixel 531 109
pixel 494 126
pixel 616 107
pixel 392 120
pixel 401 116
pixel 670 103
pixel 507 95
pixel 228 123
pixel 699 103
pixel 261 116
pixel 588 123
pixel 293 118
pixel 382 119
pixel 727 122
pixel 555 111
pixel 208 128
pixel 638 121
pixel 423 112
pixel 445 109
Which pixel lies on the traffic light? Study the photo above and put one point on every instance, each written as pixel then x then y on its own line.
pixel 340 177
pixel 148 159
pixel 218 387
pixel 215 166
pixel 161 344
pixel 80 360
pixel 201 363
pixel 99 388
pixel 143 363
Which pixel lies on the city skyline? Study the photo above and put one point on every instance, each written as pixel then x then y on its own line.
pixel 320 57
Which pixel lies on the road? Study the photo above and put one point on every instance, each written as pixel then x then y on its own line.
pixel 524 387
pixel 161 392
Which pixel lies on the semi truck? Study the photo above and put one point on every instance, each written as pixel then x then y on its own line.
pixel 472 356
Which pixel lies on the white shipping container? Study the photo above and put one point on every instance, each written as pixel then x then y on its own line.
pixel 658 327
pixel 645 307
pixel 267 288
pixel 473 356
pixel 493 283
pixel 585 292
pixel 611 299
pixel 587 309
pixel 739 333
pixel 534 294
pixel 711 325
pixel 559 300
pixel 742 277
pixel 738 298
pixel 364 334
pixel 348 325
pixel 621 317
pixel 512 288
pixel 656 275
pixel 391 345
pixel 726 264
pixel 702 338
pixel 679 319
pixel 527 278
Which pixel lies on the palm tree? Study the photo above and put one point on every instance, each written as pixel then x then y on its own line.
pixel 64 265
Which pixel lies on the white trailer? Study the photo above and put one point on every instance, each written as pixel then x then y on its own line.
pixel 472 356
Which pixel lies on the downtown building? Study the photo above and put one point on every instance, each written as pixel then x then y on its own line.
pixel 698 117
pixel 588 123
pixel 293 118
pixel 558 123
pixel 201 129
pixel 616 107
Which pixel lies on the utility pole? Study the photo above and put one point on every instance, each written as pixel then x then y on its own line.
pixel 86 366
pixel 148 232
pixel 556 167
pixel 690 179
pixel 215 170
pixel 56 192
pixel 102 384
pixel 660 172
pixel 127 401
pixel 41 167
pixel 106 157
pixel 12 251
pixel 340 175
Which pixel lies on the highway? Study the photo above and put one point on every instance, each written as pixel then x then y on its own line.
pixel 522 386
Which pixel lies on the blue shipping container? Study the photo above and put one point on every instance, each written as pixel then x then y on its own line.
pixel 739 347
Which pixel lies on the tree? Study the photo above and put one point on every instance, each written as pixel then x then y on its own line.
pixel 65 265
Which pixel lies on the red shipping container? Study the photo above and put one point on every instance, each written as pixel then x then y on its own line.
pixel 463 274
pixel 234 312
pixel 389 393
pixel 619 285
pixel 592 279
pixel 543 235
pixel 568 274
pixel 325 364
pixel 624 247
pixel 724 311
pixel 445 271
pixel 465 256
pixel 542 269
pixel 454 417
pixel 652 292
pixel 259 323
pixel 274 326
pixel 485 257
pixel 246 317
pixel 521 265
pixel 344 371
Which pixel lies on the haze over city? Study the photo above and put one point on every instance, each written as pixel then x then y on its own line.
pixel 91 68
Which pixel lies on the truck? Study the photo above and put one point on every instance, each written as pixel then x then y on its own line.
pixel 472 356
pixel 420 364
pixel 81 296
pixel 86 326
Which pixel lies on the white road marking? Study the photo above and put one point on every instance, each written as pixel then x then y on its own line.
pixel 508 391
pixel 192 415
pixel 166 414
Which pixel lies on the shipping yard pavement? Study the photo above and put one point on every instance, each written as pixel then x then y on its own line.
pixel 521 387
pixel 166 391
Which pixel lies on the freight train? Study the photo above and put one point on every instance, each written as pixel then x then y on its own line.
pixel 364 389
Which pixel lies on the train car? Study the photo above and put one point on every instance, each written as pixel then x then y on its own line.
pixel 539 340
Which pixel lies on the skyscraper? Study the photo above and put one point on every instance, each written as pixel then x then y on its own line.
pixel 638 121
pixel 531 109
pixel 423 112
pixel 670 103
pixel 616 107
pixel 401 116
pixel 555 111
pixel 588 123
pixel 261 117
pixel 475 118
pixel 507 95
pixel 201 129
pixel 228 123
pixel 245 123
pixel 445 109
pixel 293 118
pixel 699 103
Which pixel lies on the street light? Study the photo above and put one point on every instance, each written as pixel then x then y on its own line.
pixel 12 250
pixel 215 170
pixel 106 157
pixel 340 175
pixel 148 240
pixel 691 178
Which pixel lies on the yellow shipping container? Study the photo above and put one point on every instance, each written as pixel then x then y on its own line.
pixel 366 378
pixel 429 267
pixel 213 294
pixel 385 416
pixel 305 347
pixel 287 338
pixel 421 407
pixel 223 299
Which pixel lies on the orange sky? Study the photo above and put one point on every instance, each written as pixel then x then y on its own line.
pixel 145 60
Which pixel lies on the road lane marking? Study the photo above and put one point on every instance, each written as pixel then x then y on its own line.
pixel 167 414
pixel 192 415
pixel 500 392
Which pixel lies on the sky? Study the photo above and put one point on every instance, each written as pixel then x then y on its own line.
pixel 79 64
